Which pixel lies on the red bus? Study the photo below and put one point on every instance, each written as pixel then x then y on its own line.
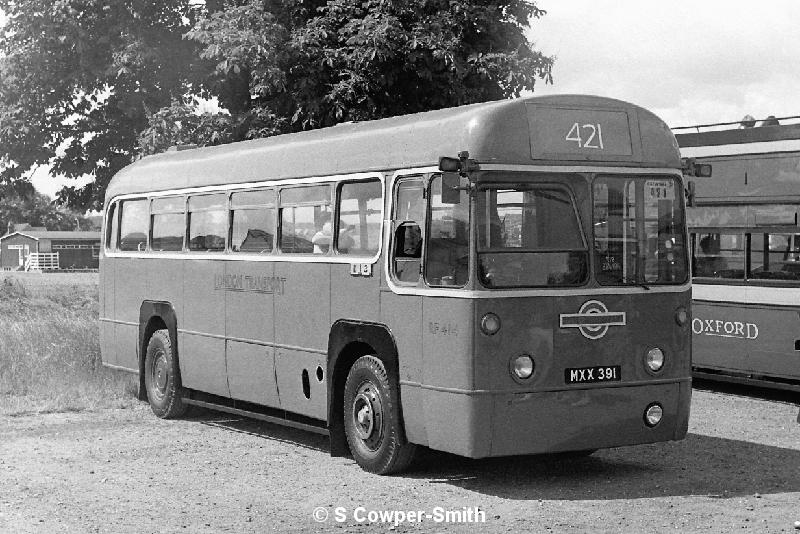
pixel 746 254
pixel 495 279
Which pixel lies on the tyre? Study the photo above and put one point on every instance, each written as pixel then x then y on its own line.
pixel 372 422
pixel 162 377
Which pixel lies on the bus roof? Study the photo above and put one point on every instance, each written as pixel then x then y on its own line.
pixel 757 140
pixel 521 131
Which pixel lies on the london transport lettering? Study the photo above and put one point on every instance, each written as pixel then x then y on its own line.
pixel 719 328
pixel 246 282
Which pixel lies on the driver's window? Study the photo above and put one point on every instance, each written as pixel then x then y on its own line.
pixel 408 222
pixel 447 255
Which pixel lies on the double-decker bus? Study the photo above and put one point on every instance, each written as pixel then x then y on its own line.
pixel 745 243
pixel 496 279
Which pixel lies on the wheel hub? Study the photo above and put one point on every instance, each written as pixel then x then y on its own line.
pixel 367 413
pixel 161 373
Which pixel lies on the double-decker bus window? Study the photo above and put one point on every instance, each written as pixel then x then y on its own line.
pixel 111 227
pixel 253 220
pixel 408 224
pixel 529 235
pixel 775 256
pixel 447 255
pixel 638 236
pixel 306 220
pixel 719 255
pixel 168 224
pixel 359 213
pixel 133 225
pixel 208 222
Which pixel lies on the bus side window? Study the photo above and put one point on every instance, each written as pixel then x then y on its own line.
pixel 133 225
pixel 408 218
pixel 208 222
pixel 253 221
pixel 359 212
pixel 168 225
pixel 112 227
pixel 305 220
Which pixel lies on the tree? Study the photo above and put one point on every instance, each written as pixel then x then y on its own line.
pixel 86 85
pixel 37 210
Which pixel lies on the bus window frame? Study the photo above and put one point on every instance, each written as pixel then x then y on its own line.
pixel 121 203
pixel 397 179
pixel 152 213
pixel 335 214
pixel 226 208
pixel 272 206
pixel 427 196
pixel 111 239
pixel 330 184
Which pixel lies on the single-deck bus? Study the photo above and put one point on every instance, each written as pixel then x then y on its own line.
pixel 745 241
pixel 496 279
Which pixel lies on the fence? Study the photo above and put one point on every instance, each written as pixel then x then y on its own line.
pixel 42 261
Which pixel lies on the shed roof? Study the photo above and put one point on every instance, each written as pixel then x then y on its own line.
pixel 55 235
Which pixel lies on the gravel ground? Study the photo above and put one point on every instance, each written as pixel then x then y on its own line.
pixel 127 471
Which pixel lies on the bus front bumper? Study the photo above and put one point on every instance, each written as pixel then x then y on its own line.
pixel 481 424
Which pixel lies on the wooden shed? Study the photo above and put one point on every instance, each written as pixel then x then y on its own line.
pixel 49 250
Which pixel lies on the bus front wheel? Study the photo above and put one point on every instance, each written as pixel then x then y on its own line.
pixel 161 377
pixel 372 421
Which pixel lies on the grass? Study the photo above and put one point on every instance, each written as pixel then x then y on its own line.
pixel 50 348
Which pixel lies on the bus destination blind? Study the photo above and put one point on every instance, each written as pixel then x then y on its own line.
pixel 585 133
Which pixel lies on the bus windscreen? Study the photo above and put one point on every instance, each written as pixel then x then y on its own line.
pixel 529 236
pixel 638 231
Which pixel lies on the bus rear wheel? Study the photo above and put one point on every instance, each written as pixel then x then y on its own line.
pixel 372 421
pixel 162 377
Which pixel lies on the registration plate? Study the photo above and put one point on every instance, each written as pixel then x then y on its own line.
pixel 584 375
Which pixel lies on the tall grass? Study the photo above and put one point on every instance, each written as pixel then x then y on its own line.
pixel 50 351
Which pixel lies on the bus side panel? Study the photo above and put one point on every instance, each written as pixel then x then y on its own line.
pixel 301 382
pixel 249 321
pixel 302 325
pixel 128 300
pixel 403 315
pixel 201 328
pixel 754 339
pixel 108 348
pixel 354 296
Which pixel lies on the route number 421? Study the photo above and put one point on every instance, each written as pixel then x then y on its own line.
pixel 586 135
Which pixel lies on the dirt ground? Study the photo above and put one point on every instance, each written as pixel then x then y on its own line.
pixel 127 471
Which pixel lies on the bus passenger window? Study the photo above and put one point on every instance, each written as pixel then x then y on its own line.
pixel 208 222
pixel 111 227
pixel 447 257
pixel 305 211
pixel 719 256
pixel 133 225
pixel 253 216
pixel 168 224
pixel 775 256
pixel 360 214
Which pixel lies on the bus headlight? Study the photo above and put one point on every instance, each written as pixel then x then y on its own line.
pixel 490 324
pixel 653 414
pixel 654 359
pixel 522 366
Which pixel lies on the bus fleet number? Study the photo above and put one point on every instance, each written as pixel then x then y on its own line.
pixel 586 135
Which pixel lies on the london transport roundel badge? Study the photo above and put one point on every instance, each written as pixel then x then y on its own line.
pixel 593 319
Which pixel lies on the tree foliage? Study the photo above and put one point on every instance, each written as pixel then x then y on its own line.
pixel 87 85
pixel 37 210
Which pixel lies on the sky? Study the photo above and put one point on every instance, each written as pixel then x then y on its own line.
pixel 689 61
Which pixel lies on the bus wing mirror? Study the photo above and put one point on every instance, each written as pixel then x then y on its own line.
pixel 451 188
